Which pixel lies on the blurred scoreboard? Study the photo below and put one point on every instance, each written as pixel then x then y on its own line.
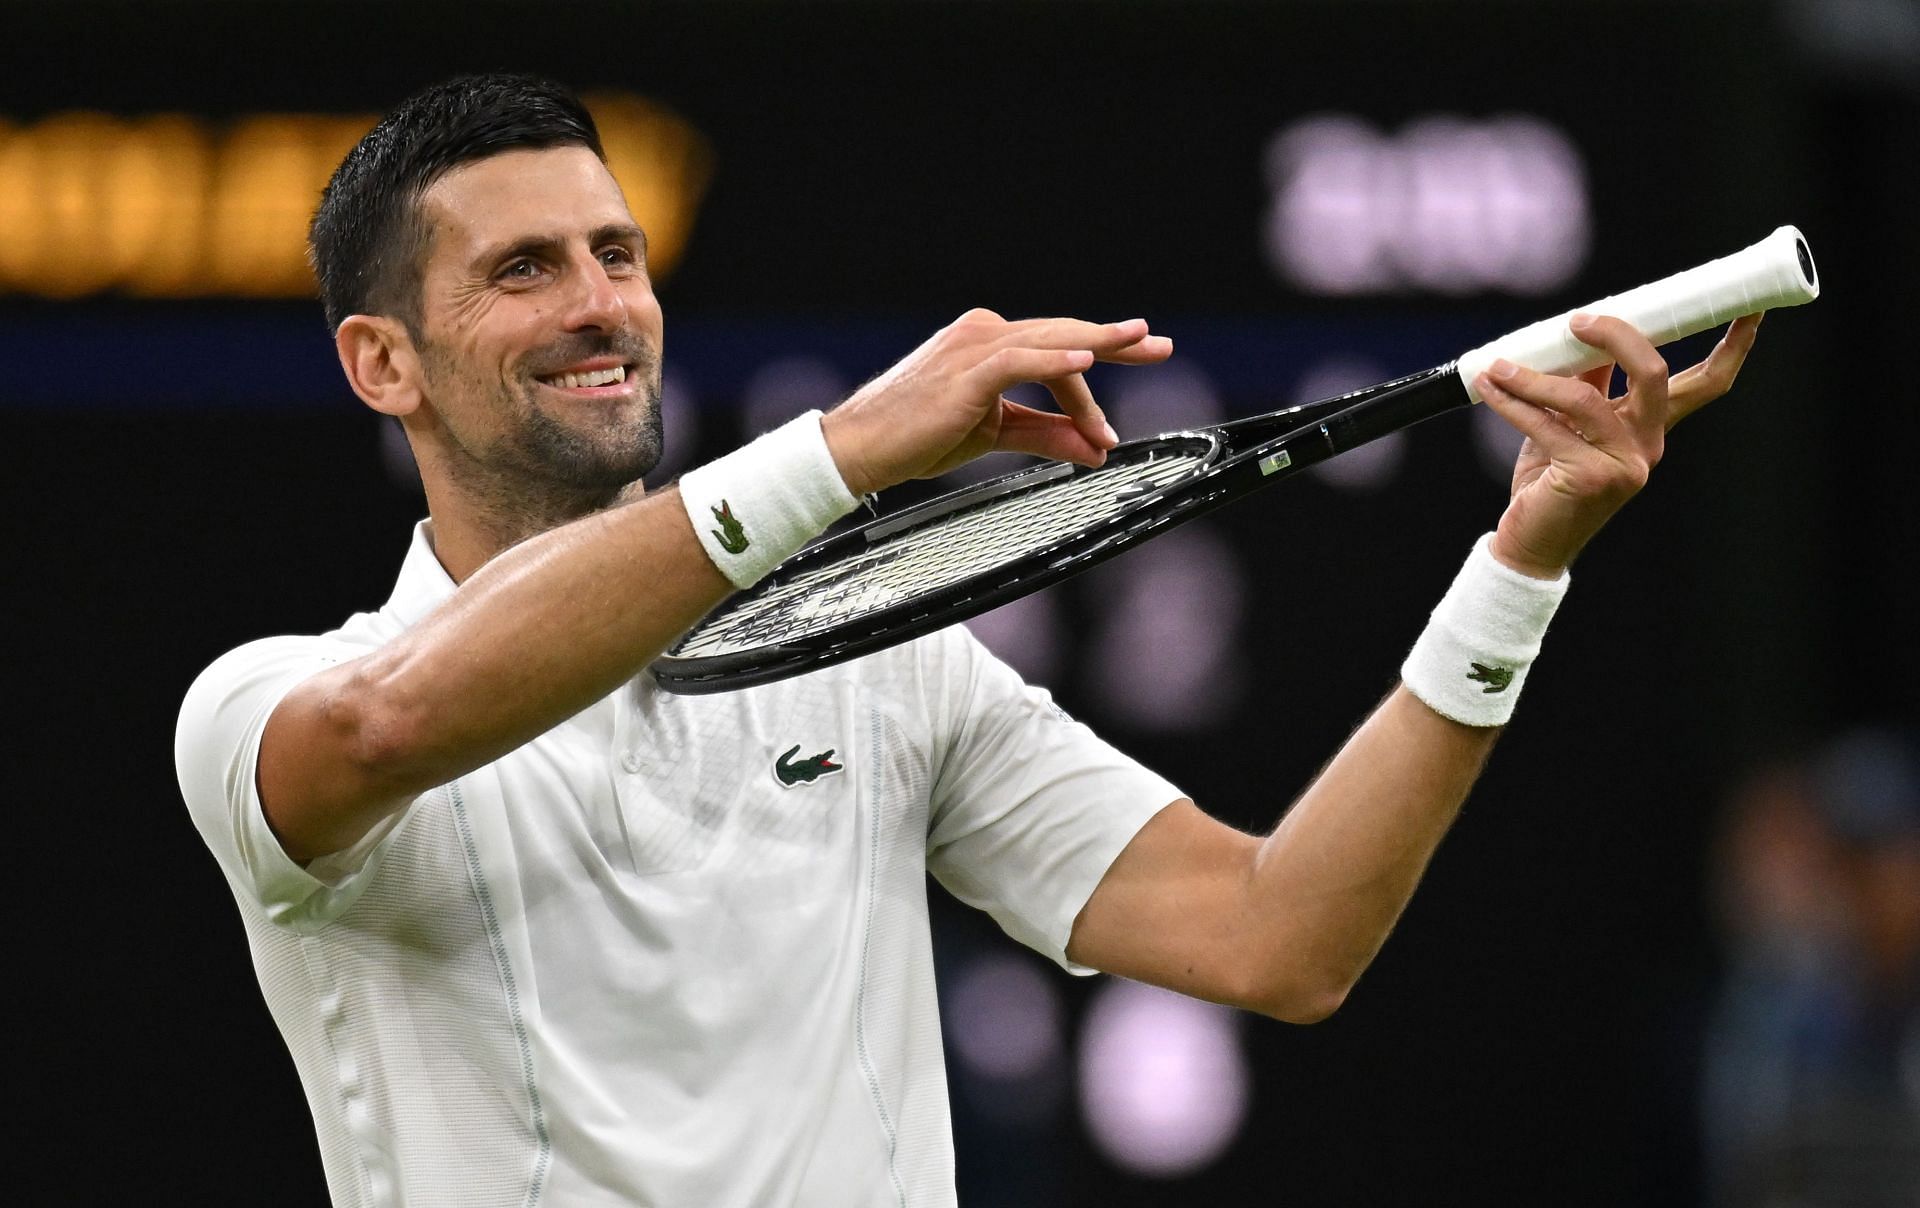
pixel 880 158
pixel 174 205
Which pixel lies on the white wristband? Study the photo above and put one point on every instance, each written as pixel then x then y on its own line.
pixel 1471 661
pixel 755 507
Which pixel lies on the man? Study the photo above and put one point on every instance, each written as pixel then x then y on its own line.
pixel 535 930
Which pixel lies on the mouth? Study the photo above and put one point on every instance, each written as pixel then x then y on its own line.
pixel 592 381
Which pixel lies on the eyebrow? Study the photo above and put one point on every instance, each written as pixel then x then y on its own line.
pixel 551 245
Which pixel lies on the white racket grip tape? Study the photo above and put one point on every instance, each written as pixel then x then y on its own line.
pixel 1777 271
pixel 755 507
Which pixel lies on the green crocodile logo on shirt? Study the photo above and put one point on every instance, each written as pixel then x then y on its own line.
pixel 1496 679
pixel 731 534
pixel 804 771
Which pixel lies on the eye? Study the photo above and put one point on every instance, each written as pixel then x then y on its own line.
pixel 523 269
pixel 617 256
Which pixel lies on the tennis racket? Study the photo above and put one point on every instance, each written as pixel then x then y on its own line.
pixel 974 549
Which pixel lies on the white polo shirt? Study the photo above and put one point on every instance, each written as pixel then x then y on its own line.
pixel 674 951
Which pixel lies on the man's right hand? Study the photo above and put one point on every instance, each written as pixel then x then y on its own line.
pixel 942 406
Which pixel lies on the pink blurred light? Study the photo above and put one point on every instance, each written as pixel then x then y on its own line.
pixel 782 389
pixel 1449 204
pixel 1026 634
pixel 1163 652
pixel 1163 1079
pixel 1004 1019
pixel 680 426
pixel 1154 399
pixel 1371 466
pixel 1497 442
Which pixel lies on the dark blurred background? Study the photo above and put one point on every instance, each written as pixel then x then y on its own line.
pixel 1307 197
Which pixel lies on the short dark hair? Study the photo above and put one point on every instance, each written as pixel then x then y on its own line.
pixel 368 240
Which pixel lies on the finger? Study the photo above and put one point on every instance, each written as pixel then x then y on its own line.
pixel 1584 409
pixel 1125 343
pixel 1150 350
pixel 1645 403
pixel 1045 434
pixel 1076 399
pixel 1010 366
pixel 1542 426
pixel 1071 333
pixel 1600 377
pixel 1699 385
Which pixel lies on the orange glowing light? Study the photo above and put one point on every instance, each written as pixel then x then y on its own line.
pixel 175 206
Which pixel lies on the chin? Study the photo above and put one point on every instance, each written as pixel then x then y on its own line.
pixel 606 458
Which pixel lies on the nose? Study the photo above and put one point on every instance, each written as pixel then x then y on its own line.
pixel 596 303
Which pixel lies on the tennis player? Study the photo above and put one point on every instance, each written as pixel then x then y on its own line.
pixel 536 932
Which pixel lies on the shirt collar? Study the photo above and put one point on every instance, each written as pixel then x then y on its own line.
pixel 423 582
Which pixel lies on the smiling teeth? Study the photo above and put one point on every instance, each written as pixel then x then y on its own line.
pixel 599 377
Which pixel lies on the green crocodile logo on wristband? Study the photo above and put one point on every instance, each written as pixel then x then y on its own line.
pixel 1496 679
pixel 804 771
pixel 731 534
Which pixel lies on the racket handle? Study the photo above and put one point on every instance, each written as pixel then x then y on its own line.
pixel 1777 271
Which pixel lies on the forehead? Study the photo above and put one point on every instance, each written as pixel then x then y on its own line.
pixel 551 192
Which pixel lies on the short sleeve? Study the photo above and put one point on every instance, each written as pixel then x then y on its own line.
pixel 216 751
pixel 1030 808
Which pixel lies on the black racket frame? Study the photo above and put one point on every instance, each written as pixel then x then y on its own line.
pixel 1238 457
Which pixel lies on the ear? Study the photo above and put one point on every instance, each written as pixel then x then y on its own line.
pixel 381 363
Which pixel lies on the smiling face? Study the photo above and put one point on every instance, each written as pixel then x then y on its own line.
pixel 539 336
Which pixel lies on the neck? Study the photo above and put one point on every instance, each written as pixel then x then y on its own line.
pixel 476 518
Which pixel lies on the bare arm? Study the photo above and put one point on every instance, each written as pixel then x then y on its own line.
pixel 535 636
pixel 555 623
pixel 1287 924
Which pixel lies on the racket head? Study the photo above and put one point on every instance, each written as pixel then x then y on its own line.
pixel 971 550
pixel 937 564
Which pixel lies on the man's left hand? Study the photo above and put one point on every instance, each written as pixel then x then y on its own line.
pixel 1585 453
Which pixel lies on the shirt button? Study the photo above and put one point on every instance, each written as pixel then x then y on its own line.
pixel 633 763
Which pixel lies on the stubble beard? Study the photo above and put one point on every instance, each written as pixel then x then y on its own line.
pixel 541 470
pixel 600 461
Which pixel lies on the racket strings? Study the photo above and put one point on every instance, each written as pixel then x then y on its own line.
pixel 938 554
